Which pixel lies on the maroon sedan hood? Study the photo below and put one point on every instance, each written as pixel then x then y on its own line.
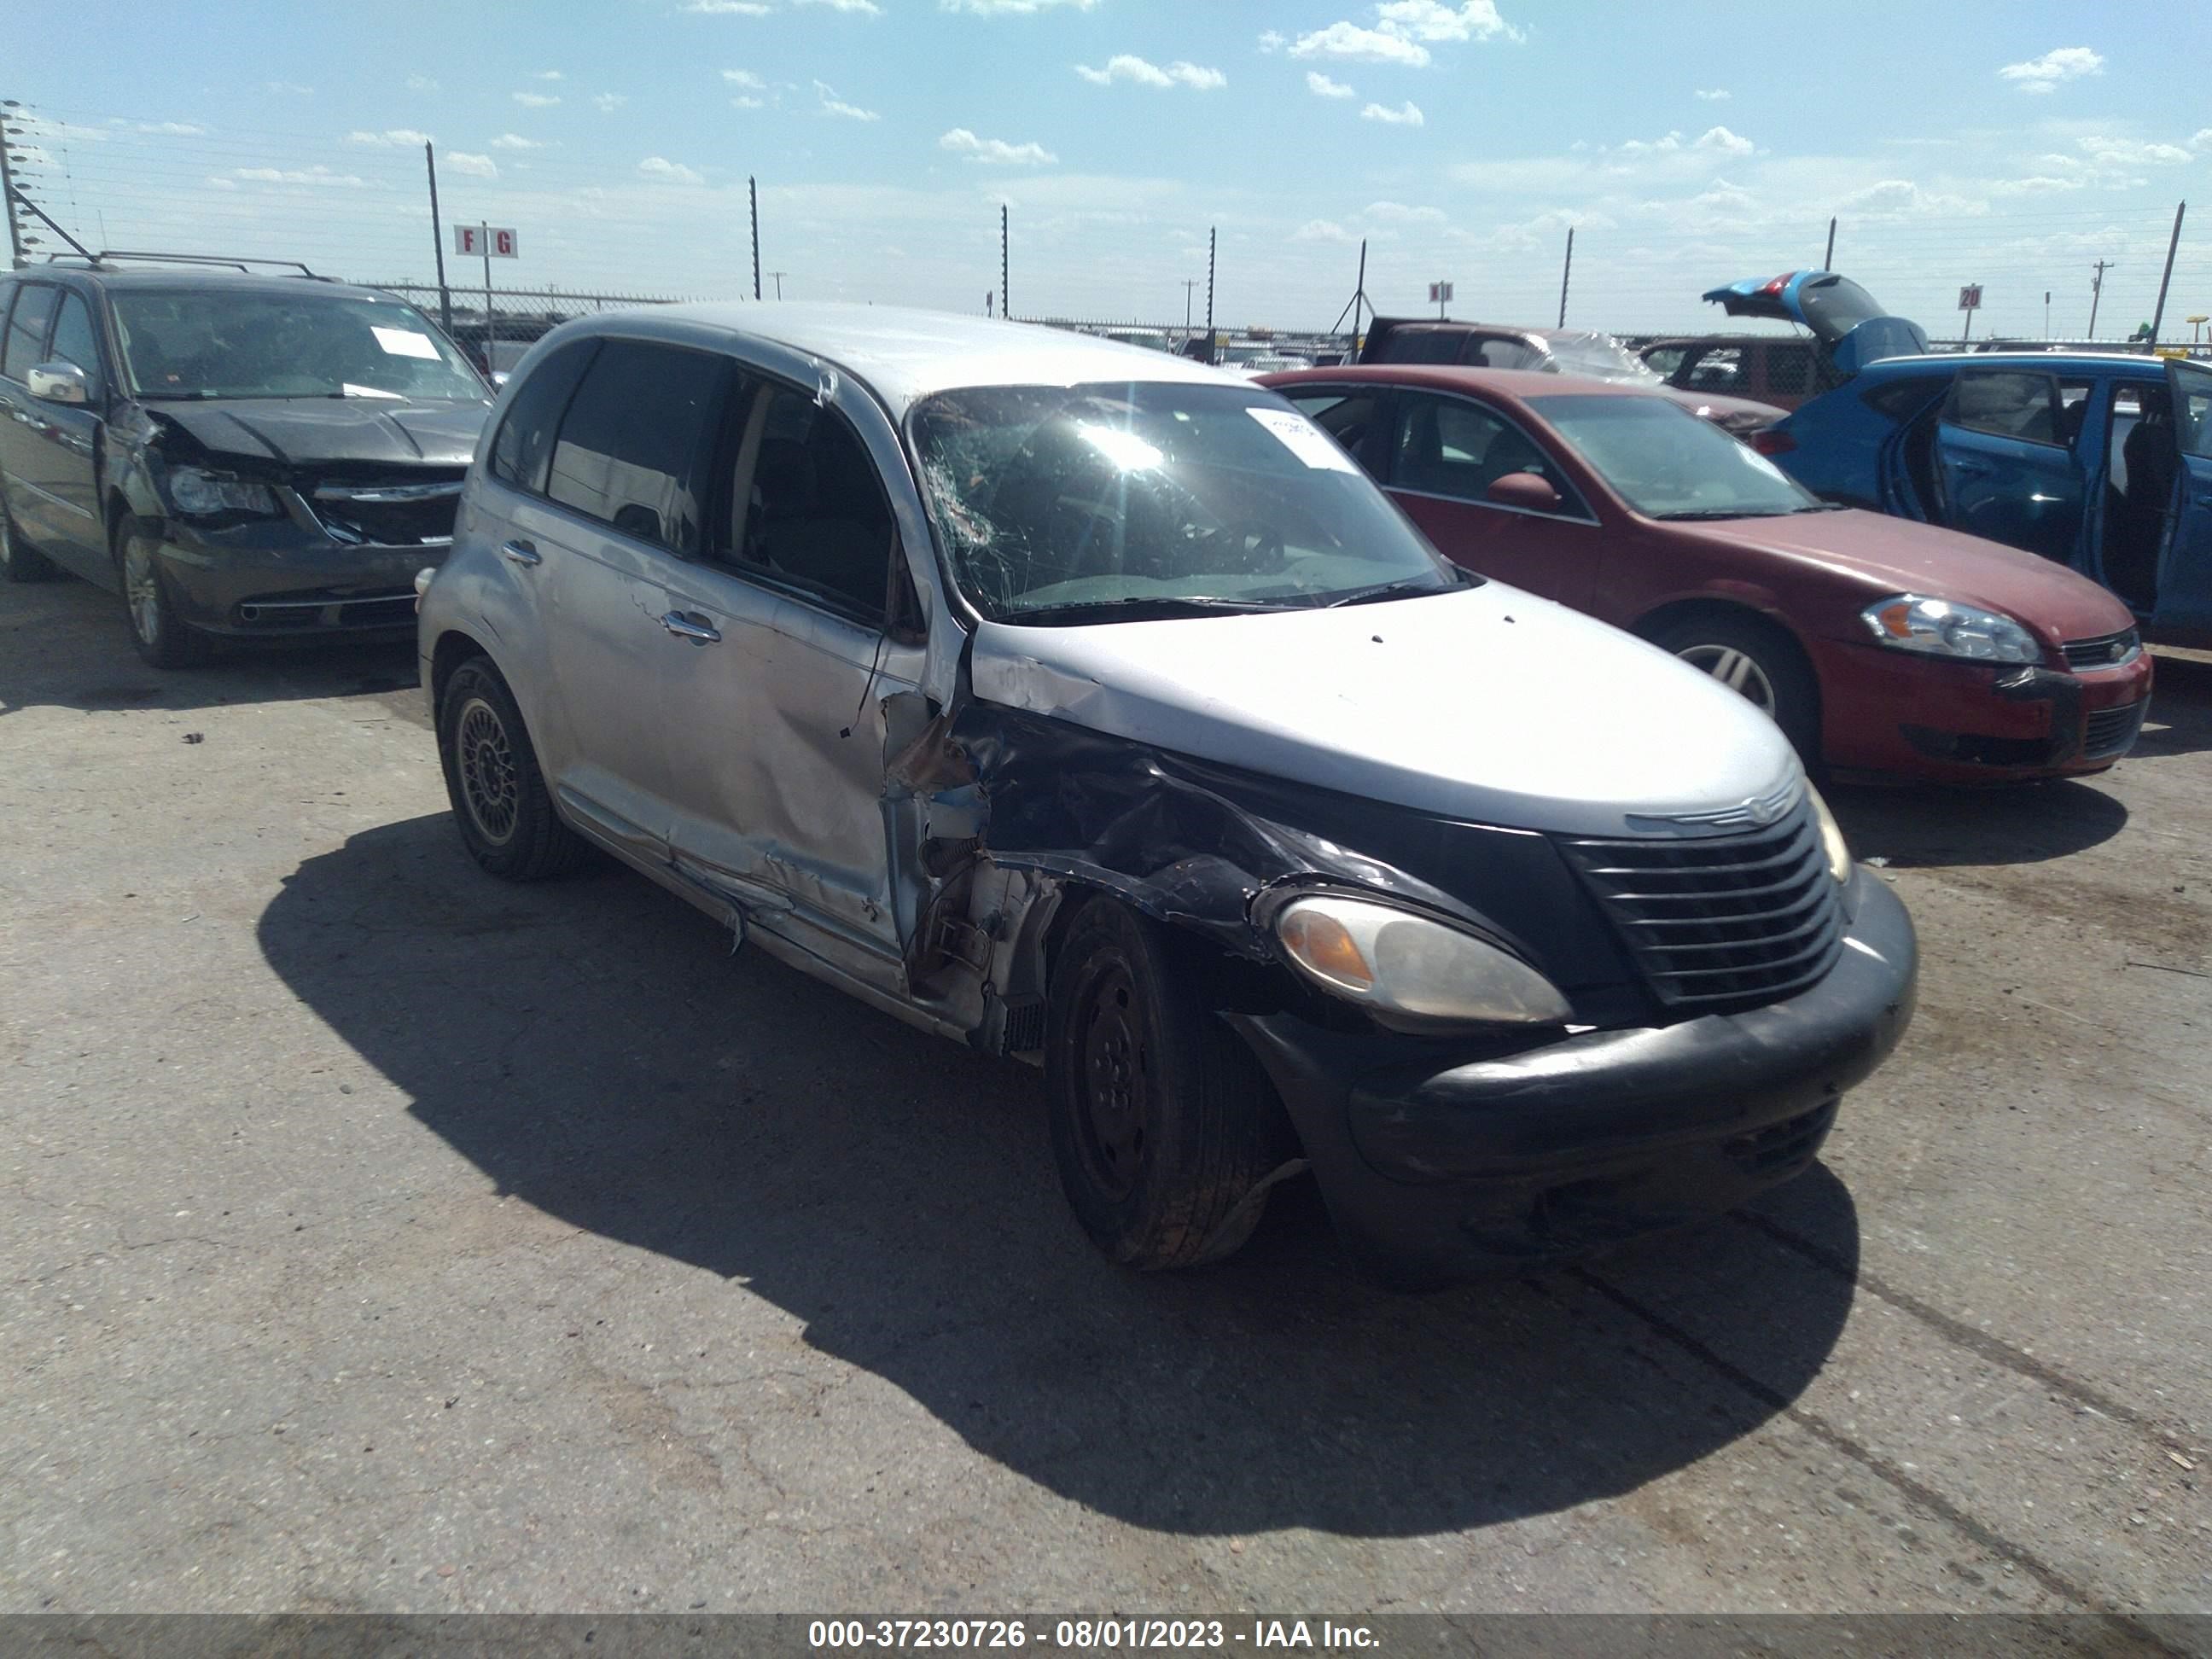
pixel 1902 557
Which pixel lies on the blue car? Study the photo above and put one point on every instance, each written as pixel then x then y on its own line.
pixel 2101 461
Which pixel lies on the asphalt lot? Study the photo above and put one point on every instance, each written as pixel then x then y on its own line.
pixel 378 1237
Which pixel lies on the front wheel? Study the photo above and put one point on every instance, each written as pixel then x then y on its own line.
pixel 162 638
pixel 1757 660
pixel 507 817
pixel 1159 1116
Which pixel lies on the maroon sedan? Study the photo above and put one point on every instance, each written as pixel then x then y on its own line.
pixel 1882 647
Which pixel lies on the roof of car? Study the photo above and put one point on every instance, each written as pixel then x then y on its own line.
pixel 904 355
pixel 197 276
pixel 1451 377
pixel 2026 359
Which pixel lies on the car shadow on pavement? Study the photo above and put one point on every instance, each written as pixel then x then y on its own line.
pixel 2022 824
pixel 591 1046
pixel 64 644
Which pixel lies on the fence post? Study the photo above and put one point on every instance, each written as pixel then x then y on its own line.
pixel 1566 271
pixel 1828 259
pixel 2158 316
pixel 752 190
pixel 1005 301
pixel 438 243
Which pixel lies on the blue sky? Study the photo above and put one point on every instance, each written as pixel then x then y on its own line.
pixel 1689 143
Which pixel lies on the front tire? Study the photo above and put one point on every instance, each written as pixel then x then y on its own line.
pixel 163 639
pixel 20 561
pixel 1758 662
pixel 1159 1116
pixel 505 816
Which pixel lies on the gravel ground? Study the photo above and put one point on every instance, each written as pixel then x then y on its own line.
pixel 378 1236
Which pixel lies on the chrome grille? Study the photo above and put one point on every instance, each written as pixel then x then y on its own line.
pixel 1718 922
pixel 2105 651
pixel 2108 731
pixel 415 511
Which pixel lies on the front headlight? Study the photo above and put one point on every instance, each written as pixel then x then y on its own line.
pixel 198 495
pixel 1833 844
pixel 1944 628
pixel 1410 971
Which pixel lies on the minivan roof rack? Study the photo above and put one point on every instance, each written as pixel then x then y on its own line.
pixel 107 254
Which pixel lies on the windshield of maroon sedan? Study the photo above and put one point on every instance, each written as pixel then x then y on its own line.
pixel 1667 464
pixel 1081 501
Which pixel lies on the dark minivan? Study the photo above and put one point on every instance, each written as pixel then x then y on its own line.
pixel 238 455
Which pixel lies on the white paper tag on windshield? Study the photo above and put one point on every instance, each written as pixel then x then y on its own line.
pixel 353 391
pixel 405 343
pixel 1304 440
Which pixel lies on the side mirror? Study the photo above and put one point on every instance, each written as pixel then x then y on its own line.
pixel 57 383
pixel 1524 490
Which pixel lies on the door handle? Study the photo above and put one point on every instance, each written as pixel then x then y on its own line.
pixel 690 627
pixel 521 553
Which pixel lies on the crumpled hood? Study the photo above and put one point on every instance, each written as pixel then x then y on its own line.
pixel 1730 412
pixel 319 431
pixel 1488 705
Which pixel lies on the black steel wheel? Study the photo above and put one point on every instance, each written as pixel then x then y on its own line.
pixel 19 560
pixel 505 816
pixel 162 638
pixel 1160 1117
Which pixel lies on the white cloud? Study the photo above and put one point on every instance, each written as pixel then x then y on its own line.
pixel 1361 46
pixel 2203 140
pixel 865 8
pixel 728 7
pixel 420 83
pixel 746 100
pixel 535 100
pixel 833 105
pixel 2106 152
pixel 1321 86
pixel 549 75
pixel 1321 230
pixel 668 172
pixel 1714 95
pixel 1274 40
pixel 1398 213
pixel 2045 74
pixel 1901 198
pixel 996 151
pixel 516 140
pixel 1011 8
pixel 608 102
pixel 1431 19
pixel 2041 184
pixel 390 139
pixel 172 129
pixel 292 88
pixel 472 167
pixel 1722 141
pixel 746 79
pixel 1125 66
pixel 1407 114
pixel 317 175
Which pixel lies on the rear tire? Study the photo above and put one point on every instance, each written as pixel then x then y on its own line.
pixel 1754 657
pixel 163 639
pixel 507 817
pixel 20 561
pixel 1159 1116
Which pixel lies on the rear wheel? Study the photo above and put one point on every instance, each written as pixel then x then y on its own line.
pixel 20 561
pixel 161 637
pixel 505 816
pixel 1159 1116
pixel 1757 660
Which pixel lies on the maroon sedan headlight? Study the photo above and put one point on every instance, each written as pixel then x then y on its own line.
pixel 1944 628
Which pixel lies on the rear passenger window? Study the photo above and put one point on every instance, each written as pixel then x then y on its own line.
pixel 27 329
pixel 2005 403
pixel 1346 417
pixel 525 441
pixel 634 440
pixel 1719 369
pixel 1422 345
pixel 1790 370
pixel 1503 354
pixel 812 514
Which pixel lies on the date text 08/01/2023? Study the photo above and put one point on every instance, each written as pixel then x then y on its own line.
pixel 1079 1635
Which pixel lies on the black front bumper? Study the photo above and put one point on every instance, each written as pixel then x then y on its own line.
pixel 1439 1167
pixel 277 580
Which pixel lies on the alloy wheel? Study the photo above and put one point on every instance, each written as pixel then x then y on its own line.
pixel 141 589
pixel 489 778
pixel 1739 671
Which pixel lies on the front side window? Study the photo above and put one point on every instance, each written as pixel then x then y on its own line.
pixel 1667 464
pixel 812 513
pixel 201 343
pixel 27 329
pixel 2194 414
pixel 2006 403
pixel 1449 447
pixel 1718 369
pixel 1492 353
pixel 1076 503
pixel 635 441
pixel 1422 345
pixel 75 343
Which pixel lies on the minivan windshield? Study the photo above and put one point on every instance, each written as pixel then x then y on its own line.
pixel 201 343
pixel 1128 501
pixel 1667 464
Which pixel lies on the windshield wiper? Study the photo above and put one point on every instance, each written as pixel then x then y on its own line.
pixel 1150 607
pixel 1695 513
pixel 1404 584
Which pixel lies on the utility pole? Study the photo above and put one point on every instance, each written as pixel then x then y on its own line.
pixel 1566 271
pixel 2165 282
pixel 1006 300
pixel 1358 299
pixel 752 190
pixel 438 243
pixel 779 276
pixel 2096 292
pixel 2046 315
pixel 1209 293
pixel 1828 259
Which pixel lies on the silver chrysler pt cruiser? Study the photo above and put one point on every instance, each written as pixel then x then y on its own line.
pixel 1091 706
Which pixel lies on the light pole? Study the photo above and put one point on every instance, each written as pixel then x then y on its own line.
pixel 779 276
pixel 2193 322
pixel 1189 283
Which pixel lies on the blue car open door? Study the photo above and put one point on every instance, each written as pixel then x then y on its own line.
pixel 2185 587
pixel 2007 469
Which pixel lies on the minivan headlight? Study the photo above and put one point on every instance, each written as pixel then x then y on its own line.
pixel 1833 847
pixel 1408 971
pixel 1944 628
pixel 198 495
